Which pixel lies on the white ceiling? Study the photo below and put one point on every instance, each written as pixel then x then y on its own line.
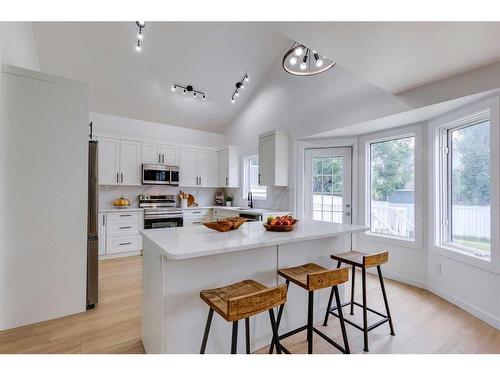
pixel 210 56
pixel 398 56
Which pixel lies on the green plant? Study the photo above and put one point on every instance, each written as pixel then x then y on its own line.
pixel 228 199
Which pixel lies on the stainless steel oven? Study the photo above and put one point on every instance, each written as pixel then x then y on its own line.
pixel 160 174
pixel 160 211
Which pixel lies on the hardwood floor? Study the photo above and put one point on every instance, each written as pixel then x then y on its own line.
pixel 114 326
pixel 424 323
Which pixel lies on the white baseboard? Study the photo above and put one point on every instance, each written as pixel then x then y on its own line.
pixel 466 306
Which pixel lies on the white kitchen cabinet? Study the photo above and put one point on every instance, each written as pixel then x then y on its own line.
pixel 119 161
pixel 119 233
pixel 229 167
pixel 273 158
pixel 208 168
pixel 108 161
pixel 196 216
pixel 102 233
pixel 187 167
pixel 198 168
pixel 153 153
pixel 130 163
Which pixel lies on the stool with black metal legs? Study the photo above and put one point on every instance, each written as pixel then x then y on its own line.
pixel 312 277
pixel 363 261
pixel 241 301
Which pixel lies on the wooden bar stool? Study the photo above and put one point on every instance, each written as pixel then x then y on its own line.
pixel 241 301
pixel 313 277
pixel 363 261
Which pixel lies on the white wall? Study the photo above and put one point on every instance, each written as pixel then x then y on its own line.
pixel 17 45
pixel 153 131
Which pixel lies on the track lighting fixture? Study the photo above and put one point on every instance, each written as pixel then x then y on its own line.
pixel 310 61
pixel 239 85
pixel 189 89
pixel 141 25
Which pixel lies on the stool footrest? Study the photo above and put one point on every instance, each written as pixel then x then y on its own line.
pixel 369 328
pixel 325 337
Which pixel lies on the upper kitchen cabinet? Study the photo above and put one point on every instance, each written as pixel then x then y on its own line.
pixel 119 161
pixel 273 158
pixel 109 161
pixel 159 154
pixel 198 168
pixel 229 167
pixel 130 163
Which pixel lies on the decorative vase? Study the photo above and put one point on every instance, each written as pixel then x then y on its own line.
pixel 228 204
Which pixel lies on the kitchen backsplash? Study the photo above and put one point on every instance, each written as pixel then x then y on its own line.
pixel 278 198
pixel 107 194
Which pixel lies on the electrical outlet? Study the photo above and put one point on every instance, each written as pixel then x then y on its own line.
pixel 438 269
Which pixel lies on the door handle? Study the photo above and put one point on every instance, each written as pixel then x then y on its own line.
pixel 125 227
pixel 347 213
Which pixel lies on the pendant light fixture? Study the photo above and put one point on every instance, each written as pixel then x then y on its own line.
pixel 189 90
pixel 239 85
pixel 300 60
pixel 141 25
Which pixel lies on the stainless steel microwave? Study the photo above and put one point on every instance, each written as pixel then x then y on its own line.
pixel 160 174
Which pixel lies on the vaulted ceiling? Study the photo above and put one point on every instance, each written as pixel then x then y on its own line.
pixel 381 58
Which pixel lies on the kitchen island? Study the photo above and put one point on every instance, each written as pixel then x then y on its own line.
pixel 179 262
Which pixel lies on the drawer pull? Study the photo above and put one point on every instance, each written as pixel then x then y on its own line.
pixel 126 243
pixel 196 222
pixel 196 212
pixel 125 215
pixel 125 227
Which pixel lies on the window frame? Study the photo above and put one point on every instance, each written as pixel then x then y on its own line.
pixel 246 178
pixel 415 131
pixel 441 172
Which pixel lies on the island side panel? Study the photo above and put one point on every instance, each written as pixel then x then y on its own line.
pixel 185 313
pixel 153 297
pixel 295 254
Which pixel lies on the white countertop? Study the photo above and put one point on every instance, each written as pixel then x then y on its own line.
pixel 114 209
pixel 197 241
pixel 243 210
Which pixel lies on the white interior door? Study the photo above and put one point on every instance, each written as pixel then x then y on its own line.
pixel 327 188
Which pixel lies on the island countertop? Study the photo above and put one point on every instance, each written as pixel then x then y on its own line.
pixel 197 241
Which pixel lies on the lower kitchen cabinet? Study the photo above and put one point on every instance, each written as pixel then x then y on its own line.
pixel 119 233
pixel 196 217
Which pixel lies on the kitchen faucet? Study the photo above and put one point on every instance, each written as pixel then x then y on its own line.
pixel 250 199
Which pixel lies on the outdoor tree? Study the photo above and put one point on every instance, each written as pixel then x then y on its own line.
pixel 391 166
pixel 471 165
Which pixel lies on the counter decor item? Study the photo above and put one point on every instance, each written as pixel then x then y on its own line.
pixel 219 198
pixel 229 223
pixel 280 223
pixel 121 202
pixel 229 201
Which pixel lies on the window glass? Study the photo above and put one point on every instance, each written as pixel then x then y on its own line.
pixel 327 189
pixel 469 183
pixel 392 193
pixel 252 179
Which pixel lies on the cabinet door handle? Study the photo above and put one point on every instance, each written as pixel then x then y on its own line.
pixel 117 177
pixel 259 178
pixel 200 180
pixel 196 212
pixel 159 158
pixel 122 177
pixel 227 181
pixel 126 243
pixel 125 227
pixel 196 222
pixel 125 215
pixel 163 158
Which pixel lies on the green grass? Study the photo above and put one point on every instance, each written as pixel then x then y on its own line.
pixel 483 246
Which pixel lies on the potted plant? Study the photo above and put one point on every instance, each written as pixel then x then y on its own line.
pixel 229 201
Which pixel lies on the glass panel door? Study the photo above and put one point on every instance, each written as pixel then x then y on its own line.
pixel 328 185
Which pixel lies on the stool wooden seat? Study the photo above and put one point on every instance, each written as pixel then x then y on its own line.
pixel 241 301
pixel 312 277
pixel 363 261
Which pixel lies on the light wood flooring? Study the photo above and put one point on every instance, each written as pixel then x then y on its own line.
pixel 424 323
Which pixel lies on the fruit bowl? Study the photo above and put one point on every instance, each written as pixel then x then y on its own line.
pixel 230 223
pixel 280 224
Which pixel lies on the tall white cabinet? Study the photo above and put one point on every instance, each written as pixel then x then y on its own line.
pixel 43 247
pixel 273 158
